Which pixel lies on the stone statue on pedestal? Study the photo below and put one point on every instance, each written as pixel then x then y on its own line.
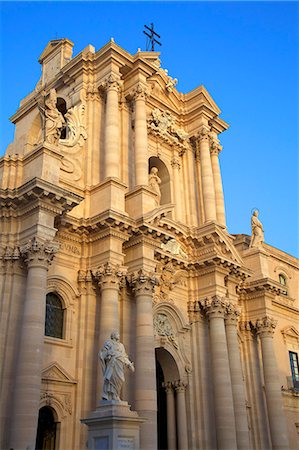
pixel 257 237
pixel 114 359
pixel 154 183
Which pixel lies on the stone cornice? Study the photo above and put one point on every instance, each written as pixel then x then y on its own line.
pixel 37 189
pixel 262 285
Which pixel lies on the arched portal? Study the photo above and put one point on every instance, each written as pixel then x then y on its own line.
pixel 46 429
pixel 167 374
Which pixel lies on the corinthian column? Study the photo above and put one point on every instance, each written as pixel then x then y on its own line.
pixel 180 387
pixel 207 179
pixel 112 145
pixel 108 277
pixel 223 398
pixel 141 151
pixel 265 329
pixel 220 209
pixel 145 375
pixel 37 256
pixel 238 389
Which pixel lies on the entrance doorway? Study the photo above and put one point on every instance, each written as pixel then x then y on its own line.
pixel 166 373
pixel 46 430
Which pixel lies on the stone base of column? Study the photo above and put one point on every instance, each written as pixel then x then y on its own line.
pixel 113 426
pixel 140 200
pixel 108 195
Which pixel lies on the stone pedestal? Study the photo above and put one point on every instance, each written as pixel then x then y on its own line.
pixel 113 426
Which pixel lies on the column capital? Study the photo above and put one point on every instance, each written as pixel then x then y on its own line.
pixel 38 253
pixel 175 163
pixel 232 315
pixel 143 282
pixel 203 134
pixel 168 386
pixel 215 306
pixel 265 326
pixel 215 147
pixel 111 83
pixel 140 92
pixel 108 276
pixel 180 386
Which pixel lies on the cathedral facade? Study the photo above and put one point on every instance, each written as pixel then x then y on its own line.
pixel 113 218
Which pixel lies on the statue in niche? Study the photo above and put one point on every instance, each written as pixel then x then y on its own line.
pixel 114 359
pixel 257 236
pixel 154 183
pixel 54 119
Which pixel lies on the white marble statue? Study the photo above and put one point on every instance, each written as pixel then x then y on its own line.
pixel 114 359
pixel 154 183
pixel 257 236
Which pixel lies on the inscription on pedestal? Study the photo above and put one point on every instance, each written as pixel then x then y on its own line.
pixel 125 444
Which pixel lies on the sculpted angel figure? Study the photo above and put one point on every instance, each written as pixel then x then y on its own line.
pixel 54 119
pixel 257 237
pixel 154 183
pixel 114 359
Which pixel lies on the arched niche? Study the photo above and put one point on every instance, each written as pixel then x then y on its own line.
pixel 35 133
pixel 61 106
pixel 163 174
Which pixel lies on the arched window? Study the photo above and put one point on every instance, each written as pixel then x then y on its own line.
pixel 54 316
pixel 282 279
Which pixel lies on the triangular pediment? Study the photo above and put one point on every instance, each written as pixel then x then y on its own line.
pixel 52 46
pixel 167 100
pixel 56 373
pixel 290 332
pixel 201 97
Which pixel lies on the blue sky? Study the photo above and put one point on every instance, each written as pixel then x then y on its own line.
pixel 244 53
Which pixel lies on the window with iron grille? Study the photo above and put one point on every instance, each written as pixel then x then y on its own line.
pixel 54 316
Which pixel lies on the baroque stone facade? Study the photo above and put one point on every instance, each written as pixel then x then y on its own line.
pixel 113 218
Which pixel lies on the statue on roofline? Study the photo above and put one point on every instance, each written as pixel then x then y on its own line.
pixel 257 236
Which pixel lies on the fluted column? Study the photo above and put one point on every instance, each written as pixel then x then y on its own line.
pixel 207 179
pixel 37 256
pixel 145 374
pixel 177 182
pixel 170 405
pixel 180 388
pixel 112 144
pixel 141 150
pixel 219 198
pixel 238 389
pixel 265 328
pixel 215 308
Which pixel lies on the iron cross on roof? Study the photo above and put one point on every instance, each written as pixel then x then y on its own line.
pixel 151 41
